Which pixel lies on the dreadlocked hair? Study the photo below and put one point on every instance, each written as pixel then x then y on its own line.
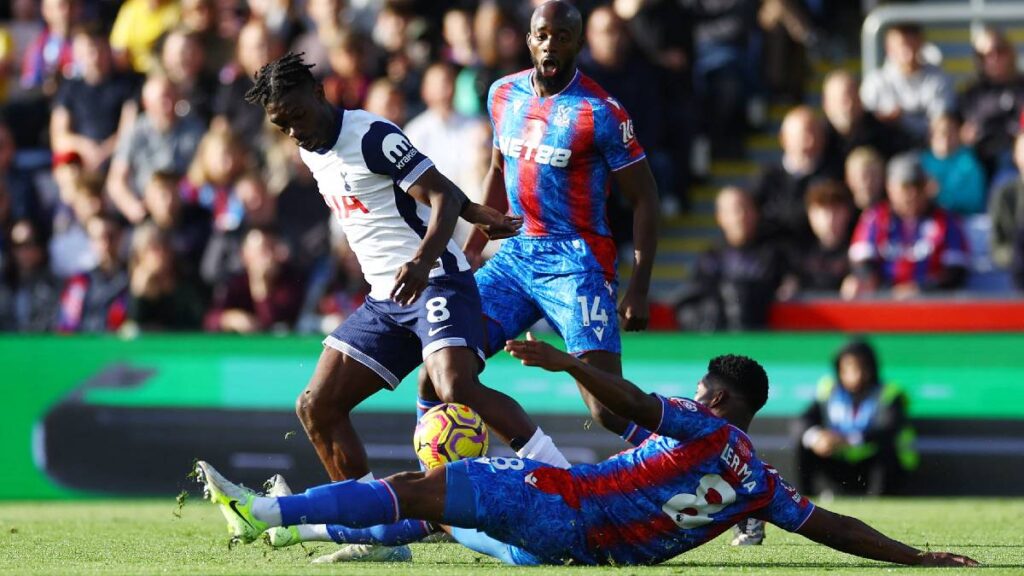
pixel 275 79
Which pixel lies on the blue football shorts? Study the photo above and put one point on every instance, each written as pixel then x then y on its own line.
pixel 559 279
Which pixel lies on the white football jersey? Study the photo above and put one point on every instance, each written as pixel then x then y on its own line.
pixel 364 180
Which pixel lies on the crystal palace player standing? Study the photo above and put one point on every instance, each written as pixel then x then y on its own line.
pixel 398 213
pixel 559 139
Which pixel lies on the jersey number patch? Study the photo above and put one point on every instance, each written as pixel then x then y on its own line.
pixel 695 510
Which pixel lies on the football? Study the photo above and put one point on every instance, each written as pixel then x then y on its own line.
pixel 447 433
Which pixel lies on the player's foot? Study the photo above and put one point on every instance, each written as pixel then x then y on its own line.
pixel 281 536
pixel 235 502
pixel 748 532
pixel 367 553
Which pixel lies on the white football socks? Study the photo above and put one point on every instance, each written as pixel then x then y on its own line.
pixel 541 448
pixel 314 533
pixel 267 510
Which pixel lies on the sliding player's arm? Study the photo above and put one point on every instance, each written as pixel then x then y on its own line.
pixel 852 536
pixel 495 196
pixel 638 186
pixel 619 395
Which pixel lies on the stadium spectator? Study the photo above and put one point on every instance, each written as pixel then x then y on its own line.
pixel 787 33
pixel 138 26
pixel 31 291
pixel 162 296
pixel 69 249
pixel 385 99
pixel 721 32
pixel 266 296
pixel 610 60
pixel 325 17
pixel 501 51
pixel 734 283
pixel 8 63
pixel 855 438
pixel 906 89
pixel 865 177
pixel 21 32
pixel 49 58
pixel 256 47
pixel 347 83
pixel 220 161
pixel 185 226
pixel 199 17
pixel 908 244
pixel 183 60
pixel 158 140
pixel 849 126
pixel 823 265
pixel 457 33
pixel 780 187
pixel 97 301
pixel 336 289
pixel 992 104
pixel 1006 210
pixel 20 185
pixel 955 169
pixel 90 107
pixel 444 135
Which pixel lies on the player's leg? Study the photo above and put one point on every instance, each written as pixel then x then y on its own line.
pixel 452 337
pixel 367 353
pixel 339 384
pixel 587 321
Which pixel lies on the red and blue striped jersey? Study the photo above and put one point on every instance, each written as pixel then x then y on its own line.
pixel 693 479
pixel 904 251
pixel 559 153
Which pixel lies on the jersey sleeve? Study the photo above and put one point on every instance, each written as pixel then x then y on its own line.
pixel 388 152
pixel 787 509
pixel 614 135
pixel 684 419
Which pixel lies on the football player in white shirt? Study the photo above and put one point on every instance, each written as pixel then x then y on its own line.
pixel 398 213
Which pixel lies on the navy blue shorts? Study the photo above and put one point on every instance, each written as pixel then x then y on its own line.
pixel 392 340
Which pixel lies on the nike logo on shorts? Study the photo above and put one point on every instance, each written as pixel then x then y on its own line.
pixel 433 331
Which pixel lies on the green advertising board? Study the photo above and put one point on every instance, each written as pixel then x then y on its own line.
pixel 947 376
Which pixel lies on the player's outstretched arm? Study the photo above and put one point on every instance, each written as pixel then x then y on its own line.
pixel 619 395
pixel 495 196
pixel 637 183
pixel 853 536
pixel 445 201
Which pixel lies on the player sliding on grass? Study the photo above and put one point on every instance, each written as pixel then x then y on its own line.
pixel 690 481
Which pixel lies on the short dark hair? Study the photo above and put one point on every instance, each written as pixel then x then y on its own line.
pixel 742 375
pixel 276 78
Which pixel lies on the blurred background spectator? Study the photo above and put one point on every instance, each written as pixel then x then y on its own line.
pixel 735 283
pixel 822 265
pixel 907 244
pixel 958 176
pixel 906 89
pixel 855 438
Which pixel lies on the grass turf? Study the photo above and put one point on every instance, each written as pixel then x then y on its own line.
pixel 144 537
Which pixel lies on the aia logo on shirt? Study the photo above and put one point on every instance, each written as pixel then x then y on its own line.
pixel 344 206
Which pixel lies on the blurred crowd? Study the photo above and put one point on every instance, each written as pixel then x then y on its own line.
pixel 898 186
pixel 138 190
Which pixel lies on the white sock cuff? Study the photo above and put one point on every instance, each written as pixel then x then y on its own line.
pixel 314 533
pixel 542 448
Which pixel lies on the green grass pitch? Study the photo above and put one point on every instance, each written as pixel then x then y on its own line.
pixel 144 537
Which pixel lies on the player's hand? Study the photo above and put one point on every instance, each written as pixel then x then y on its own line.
pixel 533 352
pixel 410 281
pixel 946 559
pixel 634 313
pixel 494 224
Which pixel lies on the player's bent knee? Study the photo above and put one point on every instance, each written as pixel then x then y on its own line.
pixel 315 407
